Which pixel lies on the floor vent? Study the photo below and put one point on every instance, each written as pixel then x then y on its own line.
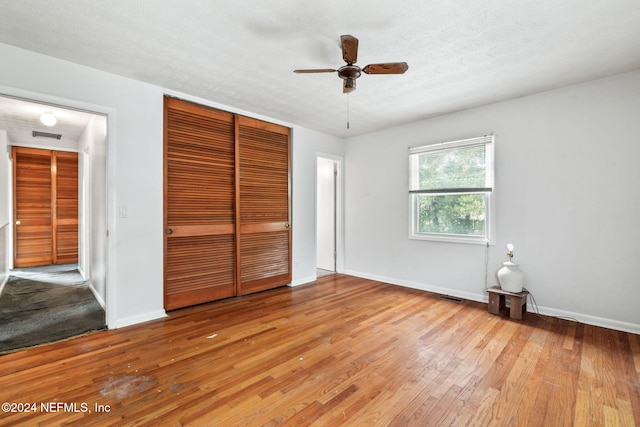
pixel 451 299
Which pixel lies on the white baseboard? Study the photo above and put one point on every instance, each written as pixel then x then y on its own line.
pixel 547 311
pixel 589 320
pixel 98 297
pixel 421 286
pixel 4 282
pixel 140 318
pixel 303 281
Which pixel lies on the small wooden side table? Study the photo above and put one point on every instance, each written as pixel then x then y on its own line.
pixel 497 302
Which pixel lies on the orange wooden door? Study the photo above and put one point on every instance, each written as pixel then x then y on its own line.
pixel 263 198
pixel 45 207
pixel 65 221
pixel 33 207
pixel 199 204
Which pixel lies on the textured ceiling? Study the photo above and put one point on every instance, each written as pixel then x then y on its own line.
pixel 242 53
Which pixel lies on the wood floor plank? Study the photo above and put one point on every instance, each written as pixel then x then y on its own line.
pixel 340 351
pixel 561 371
pixel 634 343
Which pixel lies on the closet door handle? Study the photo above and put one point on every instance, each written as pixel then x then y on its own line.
pixel 286 225
pixel 18 222
pixel 169 231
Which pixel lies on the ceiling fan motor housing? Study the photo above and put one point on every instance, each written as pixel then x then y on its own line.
pixel 349 72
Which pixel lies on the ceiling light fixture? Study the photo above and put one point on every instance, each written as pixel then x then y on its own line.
pixel 48 119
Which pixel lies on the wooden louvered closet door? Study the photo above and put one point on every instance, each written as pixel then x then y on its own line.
pixel 263 199
pixel 199 204
pixel 45 207
pixel 226 205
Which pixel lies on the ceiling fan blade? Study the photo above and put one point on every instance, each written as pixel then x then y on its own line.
pixel 388 68
pixel 349 85
pixel 349 48
pixel 318 70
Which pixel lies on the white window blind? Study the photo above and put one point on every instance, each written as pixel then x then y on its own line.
pixel 464 166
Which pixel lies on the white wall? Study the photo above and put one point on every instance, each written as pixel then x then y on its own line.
pixel 5 172
pixel 84 233
pixel 98 204
pixel 567 196
pixel 306 143
pixel 5 213
pixel 93 189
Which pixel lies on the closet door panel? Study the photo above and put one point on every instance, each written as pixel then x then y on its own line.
pixel 265 255
pixel 264 204
pixel 199 204
pixel 33 226
pixel 66 207
pixel 211 272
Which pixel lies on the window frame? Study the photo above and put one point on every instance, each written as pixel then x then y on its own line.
pixel 489 198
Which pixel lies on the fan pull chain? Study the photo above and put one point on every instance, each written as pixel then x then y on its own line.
pixel 347 110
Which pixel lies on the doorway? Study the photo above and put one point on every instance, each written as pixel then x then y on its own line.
pixel 328 207
pixel 80 135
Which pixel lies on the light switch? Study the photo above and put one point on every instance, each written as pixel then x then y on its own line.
pixel 123 212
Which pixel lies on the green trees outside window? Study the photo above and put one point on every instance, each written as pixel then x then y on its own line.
pixel 451 214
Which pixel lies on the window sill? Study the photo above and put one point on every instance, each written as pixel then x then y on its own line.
pixel 452 238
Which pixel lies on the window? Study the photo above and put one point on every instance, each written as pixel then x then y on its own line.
pixel 450 187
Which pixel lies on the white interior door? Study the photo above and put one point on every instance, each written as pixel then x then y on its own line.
pixel 326 170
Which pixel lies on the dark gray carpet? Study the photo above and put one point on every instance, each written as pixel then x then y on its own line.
pixel 41 305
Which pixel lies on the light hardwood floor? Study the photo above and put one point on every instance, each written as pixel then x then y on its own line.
pixel 341 351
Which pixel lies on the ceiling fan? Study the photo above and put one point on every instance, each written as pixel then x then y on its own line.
pixel 350 72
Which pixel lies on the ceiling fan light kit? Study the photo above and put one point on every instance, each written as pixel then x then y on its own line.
pixel 350 72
